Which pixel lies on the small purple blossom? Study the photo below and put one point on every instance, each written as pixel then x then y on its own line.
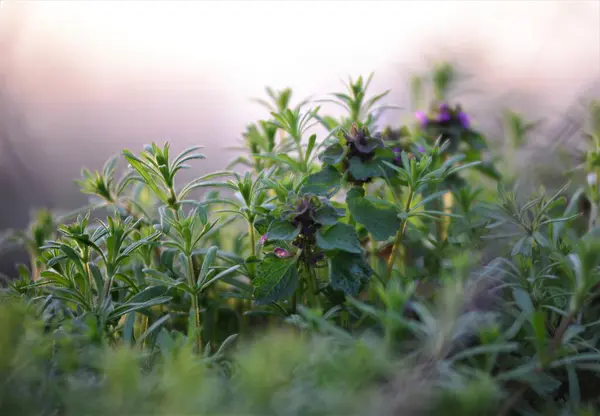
pixel 422 118
pixel 263 239
pixel 397 152
pixel 465 120
pixel 445 115
pixel 421 149
pixel 282 253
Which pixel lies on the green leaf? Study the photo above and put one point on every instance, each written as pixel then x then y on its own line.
pixel 275 279
pixel 574 389
pixel 538 321
pixel 143 171
pixel 209 259
pixel 325 182
pixel 488 169
pixel 220 276
pixel 364 170
pixel 55 277
pixel 311 145
pixel 283 231
pixel 128 329
pixel 541 239
pixel 131 306
pixel 522 372
pixel 328 215
pixel 339 237
pixel 523 300
pixel 154 327
pixel 571 332
pixel 348 272
pixel 486 349
pixel 589 356
pixel 97 275
pixel 148 294
pixel 73 256
pixel 332 155
pixel 518 246
pixel 381 221
pixel 281 158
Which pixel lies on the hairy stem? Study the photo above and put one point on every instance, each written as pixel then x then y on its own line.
pixel 313 289
pixel 195 307
pixel 398 240
pixel 593 216
pixel 252 238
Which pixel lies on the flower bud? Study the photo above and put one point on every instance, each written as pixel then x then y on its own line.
pixel 282 253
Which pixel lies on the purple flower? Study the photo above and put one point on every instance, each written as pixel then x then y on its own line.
pixel 282 253
pixel 465 120
pixel 397 152
pixel 263 239
pixel 421 149
pixel 444 113
pixel 422 118
pixel 444 117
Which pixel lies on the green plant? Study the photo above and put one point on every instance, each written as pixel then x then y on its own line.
pixel 347 271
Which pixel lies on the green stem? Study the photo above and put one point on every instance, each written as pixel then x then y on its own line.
pixel 300 152
pixel 593 216
pixel 294 302
pixel 594 203
pixel 252 238
pixel 313 295
pixel 398 240
pixel 35 270
pixel 195 307
pixel 374 265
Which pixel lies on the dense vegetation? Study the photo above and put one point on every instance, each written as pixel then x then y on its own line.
pixel 365 270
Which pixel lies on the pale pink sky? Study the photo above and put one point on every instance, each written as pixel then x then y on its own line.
pixel 315 42
pixel 91 77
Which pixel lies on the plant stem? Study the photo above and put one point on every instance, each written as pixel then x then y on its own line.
pixel 300 152
pixel 35 270
pixel 593 216
pixel 374 260
pixel 294 302
pixel 398 240
pixel 196 309
pixel 251 266
pixel 313 290
pixel 252 239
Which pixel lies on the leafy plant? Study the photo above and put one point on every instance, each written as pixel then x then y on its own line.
pixel 364 269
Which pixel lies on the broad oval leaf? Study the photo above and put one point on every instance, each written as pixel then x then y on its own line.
pixel 276 278
pixel 282 231
pixel 348 272
pixel 381 221
pixel 339 237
